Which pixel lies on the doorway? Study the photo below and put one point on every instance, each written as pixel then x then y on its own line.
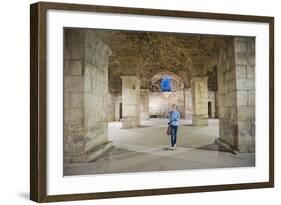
pixel 209 109
pixel 120 111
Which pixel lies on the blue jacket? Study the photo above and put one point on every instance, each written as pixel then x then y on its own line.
pixel 174 118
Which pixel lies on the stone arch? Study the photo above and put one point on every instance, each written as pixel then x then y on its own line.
pixel 155 80
pixel 160 102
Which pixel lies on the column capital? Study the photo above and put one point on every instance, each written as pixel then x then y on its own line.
pixel 195 78
pixel 128 76
pixel 199 66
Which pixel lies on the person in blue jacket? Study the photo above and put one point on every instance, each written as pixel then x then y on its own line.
pixel 174 121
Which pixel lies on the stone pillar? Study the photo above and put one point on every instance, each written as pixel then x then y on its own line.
pixel 236 93
pixel 117 108
pixel 188 103
pixel 130 101
pixel 111 107
pixel 85 96
pixel 199 90
pixel 245 88
pixel 73 110
pixel 144 104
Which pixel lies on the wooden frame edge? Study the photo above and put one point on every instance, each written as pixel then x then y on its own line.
pixel 38 101
pixel 33 102
pixel 271 100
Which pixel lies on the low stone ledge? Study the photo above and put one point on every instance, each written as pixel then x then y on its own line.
pixel 99 152
pixel 226 146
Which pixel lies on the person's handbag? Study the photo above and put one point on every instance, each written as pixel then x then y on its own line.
pixel 168 132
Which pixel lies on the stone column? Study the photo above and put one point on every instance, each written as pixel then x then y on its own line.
pixel 117 107
pixel 188 103
pixel 199 90
pixel 131 64
pixel 111 107
pixel 73 111
pixel 130 101
pixel 85 96
pixel 144 104
pixel 245 88
pixel 236 93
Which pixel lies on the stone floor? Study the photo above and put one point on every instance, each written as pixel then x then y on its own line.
pixel 145 149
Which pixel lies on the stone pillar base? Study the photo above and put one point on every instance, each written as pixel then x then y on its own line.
pixel 144 116
pixel 246 145
pixel 225 146
pixel 129 122
pixel 92 155
pixel 199 120
pixel 99 151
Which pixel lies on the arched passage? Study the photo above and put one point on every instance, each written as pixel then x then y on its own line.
pixel 163 96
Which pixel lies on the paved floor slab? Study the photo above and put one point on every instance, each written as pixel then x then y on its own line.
pixel 145 149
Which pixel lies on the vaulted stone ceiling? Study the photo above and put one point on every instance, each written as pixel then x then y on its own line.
pixel 147 53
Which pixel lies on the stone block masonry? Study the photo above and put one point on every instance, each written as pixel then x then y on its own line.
pixel 236 93
pixel 85 96
pixel 245 58
pixel 160 105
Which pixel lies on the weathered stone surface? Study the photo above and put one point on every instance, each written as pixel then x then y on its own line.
pixel 160 104
pixel 144 104
pixel 130 101
pixel 74 67
pixel 188 103
pixel 199 87
pixel 86 95
pixel 237 97
pixel 245 97
pixel 74 84
pixel 111 107
pixel 74 51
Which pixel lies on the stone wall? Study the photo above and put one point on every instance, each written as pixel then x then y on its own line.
pixel 159 105
pixel 212 99
pixel 85 96
pixel 236 93
pixel 118 108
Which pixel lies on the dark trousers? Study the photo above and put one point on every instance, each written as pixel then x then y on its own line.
pixel 174 130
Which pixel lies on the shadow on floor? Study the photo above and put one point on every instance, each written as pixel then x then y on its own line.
pixel 188 125
pixel 213 147
pixel 144 126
